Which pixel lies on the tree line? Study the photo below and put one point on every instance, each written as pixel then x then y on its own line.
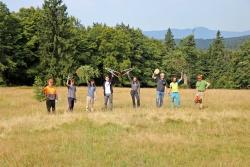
pixel 47 42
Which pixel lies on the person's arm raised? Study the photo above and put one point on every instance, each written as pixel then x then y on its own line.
pixel 129 77
pixel 208 84
pixel 67 83
pixel 153 76
pixel 181 77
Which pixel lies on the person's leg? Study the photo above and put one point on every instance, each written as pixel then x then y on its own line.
pixel 201 99
pixel 138 99
pixel 133 98
pixel 72 103
pixel 177 99
pixel 157 99
pixel 161 98
pixel 69 104
pixel 53 105
pixel 48 105
pixel 172 99
pixel 106 98
pixel 87 103
pixel 92 104
pixel 111 102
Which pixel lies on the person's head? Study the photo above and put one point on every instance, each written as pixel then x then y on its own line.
pixel 174 79
pixel 162 75
pixel 199 77
pixel 50 82
pixel 72 82
pixel 135 79
pixel 107 78
pixel 92 82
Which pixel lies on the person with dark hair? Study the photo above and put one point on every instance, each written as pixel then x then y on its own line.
pixel 71 94
pixel 91 96
pixel 51 96
pixel 135 91
pixel 174 91
pixel 108 92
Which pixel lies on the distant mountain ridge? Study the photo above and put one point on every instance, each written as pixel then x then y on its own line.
pixel 199 33
pixel 230 43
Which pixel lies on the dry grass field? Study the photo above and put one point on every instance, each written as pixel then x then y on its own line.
pixel 219 135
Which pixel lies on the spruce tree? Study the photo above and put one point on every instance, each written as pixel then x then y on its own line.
pixel 169 40
pixel 56 50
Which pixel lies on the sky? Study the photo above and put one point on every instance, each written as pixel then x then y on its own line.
pixel 230 15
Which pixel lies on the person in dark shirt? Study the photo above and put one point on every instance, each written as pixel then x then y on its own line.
pixel 161 87
pixel 135 91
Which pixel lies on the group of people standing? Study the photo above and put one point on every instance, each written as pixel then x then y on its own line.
pixel 161 90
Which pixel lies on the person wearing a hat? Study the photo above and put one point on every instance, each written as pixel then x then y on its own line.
pixel 161 87
pixel 201 86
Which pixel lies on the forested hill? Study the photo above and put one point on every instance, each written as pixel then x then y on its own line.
pixel 199 33
pixel 230 43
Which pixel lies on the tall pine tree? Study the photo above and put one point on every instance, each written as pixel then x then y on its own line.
pixel 217 63
pixel 169 40
pixel 56 59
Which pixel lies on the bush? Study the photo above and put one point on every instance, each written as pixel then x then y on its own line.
pixel 38 89
pixel 85 73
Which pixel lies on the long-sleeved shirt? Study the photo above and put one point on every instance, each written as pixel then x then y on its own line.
pixel 135 86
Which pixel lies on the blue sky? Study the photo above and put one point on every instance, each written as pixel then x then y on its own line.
pixel 230 15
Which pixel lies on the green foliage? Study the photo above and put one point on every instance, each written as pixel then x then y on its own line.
pixel 169 40
pixel 85 73
pixel 46 42
pixel 38 89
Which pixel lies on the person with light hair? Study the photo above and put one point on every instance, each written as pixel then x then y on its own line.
pixel 201 86
pixel 160 88
pixel 51 96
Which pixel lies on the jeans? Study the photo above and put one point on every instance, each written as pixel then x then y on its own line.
pixel 71 102
pixel 175 99
pixel 51 104
pixel 159 98
pixel 135 96
pixel 108 101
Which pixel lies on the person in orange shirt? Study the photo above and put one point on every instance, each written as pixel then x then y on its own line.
pixel 51 96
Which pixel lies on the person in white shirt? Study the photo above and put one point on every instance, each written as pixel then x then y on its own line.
pixel 108 92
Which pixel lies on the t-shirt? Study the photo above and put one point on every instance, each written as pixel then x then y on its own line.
pixel 135 86
pixel 107 88
pixel 160 84
pixel 50 93
pixel 201 85
pixel 72 91
pixel 175 86
pixel 91 91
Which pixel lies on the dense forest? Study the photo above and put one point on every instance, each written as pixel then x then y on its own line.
pixel 47 42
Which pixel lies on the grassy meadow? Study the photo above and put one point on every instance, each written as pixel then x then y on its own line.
pixel 219 135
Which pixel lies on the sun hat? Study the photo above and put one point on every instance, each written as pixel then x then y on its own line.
pixel 157 71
